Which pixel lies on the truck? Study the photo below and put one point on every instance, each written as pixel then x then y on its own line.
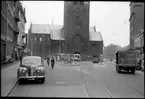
pixel 126 60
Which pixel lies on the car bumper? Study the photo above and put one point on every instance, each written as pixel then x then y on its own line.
pixel 31 77
pixel 95 61
pixel 127 65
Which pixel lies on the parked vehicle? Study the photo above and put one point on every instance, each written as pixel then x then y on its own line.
pixel 76 57
pixel 95 60
pixel 31 68
pixel 142 66
pixel 126 60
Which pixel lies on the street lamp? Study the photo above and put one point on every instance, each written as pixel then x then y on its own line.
pixel 82 50
pixel 31 47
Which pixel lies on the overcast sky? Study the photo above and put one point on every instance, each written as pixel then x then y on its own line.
pixel 110 18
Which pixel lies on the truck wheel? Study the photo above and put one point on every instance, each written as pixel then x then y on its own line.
pixel 118 69
pixel 133 71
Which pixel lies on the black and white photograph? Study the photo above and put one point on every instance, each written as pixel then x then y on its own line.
pixel 79 49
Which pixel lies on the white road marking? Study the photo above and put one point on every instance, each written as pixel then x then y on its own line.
pixel 84 71
pixel 87 72
pixel 98 65
pixel 84 84
pixel 60 82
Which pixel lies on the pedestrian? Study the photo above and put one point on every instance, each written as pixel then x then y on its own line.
pixel 52 62
pixel 48 60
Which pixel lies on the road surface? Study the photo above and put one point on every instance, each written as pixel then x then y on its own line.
pixel 84 79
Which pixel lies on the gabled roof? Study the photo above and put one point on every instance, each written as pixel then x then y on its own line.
pixel 56 32
pixel 56 27
pixel 40 28
pixel 94 35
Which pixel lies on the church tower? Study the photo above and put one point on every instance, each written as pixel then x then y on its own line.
pixel 76 26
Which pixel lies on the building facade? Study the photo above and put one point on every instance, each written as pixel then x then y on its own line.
pixel 95 42
pixel 57 39
pixel 21 25
pixel 76 27
pixel 39 40
pixel 136 25
pixel 9 29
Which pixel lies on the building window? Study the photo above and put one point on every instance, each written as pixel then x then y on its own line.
pixel 86 2
pixel 78 10
pixel 78 26
pixel 81 3
pixel 137 5
pixel 40 39
pixel 35 39
pixel 94 45
pixel 75 3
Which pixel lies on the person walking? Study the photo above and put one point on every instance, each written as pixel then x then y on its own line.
pixel 52 62
pixel 48 60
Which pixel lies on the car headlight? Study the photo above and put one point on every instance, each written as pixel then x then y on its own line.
pixel 39 68
pixel 23 69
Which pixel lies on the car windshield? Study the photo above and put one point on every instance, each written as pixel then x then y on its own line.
pixel 31 60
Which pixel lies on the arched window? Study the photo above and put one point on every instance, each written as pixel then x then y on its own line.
pixel 40 39
pixel 35 39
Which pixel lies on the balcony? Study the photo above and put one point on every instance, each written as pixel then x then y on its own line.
pixel 17 19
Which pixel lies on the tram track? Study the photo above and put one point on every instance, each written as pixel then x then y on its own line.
pixel 101 83
pixel 132 87
pixel 106 89
pixel 123 82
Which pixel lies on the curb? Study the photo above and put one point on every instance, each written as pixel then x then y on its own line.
pixel 11 87
pixel 10 64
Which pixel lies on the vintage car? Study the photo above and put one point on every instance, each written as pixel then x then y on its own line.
pixel 31 68
pixel 126 60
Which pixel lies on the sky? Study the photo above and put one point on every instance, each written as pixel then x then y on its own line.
pixel 110 18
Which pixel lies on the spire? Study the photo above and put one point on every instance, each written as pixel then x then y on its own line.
pixel 52 21
pixel 94 28
pixel 51 34
pixel 30 28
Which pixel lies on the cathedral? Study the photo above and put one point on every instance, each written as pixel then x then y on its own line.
pixel 79 37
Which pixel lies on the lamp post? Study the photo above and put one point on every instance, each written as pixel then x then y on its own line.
pixel 31 47
pixel 82 51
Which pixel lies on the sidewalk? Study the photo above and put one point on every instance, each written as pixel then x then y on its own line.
pixel 9 64
pixel 8 77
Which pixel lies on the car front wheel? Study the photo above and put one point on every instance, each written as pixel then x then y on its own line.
pixel 41 80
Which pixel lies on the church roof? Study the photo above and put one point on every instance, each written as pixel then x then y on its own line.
pixel 95 34
pixel 56 34
pixel 40 28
